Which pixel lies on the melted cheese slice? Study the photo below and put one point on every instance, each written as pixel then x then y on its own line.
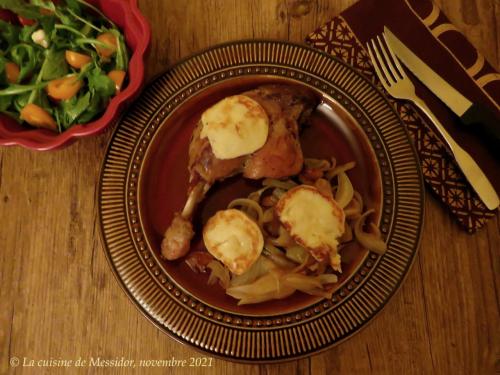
pixel 312 219
pixel 234 239
pixel 235 126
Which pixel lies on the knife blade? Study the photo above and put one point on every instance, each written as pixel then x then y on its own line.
pixel 474 116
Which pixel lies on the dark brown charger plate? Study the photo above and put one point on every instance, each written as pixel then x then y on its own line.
pixel 144 181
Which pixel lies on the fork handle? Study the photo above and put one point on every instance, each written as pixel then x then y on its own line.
pixel 469 167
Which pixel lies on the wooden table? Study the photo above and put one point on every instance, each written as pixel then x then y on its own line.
pixel 59 299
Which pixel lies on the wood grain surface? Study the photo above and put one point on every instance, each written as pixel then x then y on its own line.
pixel 59 299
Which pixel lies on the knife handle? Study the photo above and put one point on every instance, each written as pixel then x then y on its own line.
pixel 472 172
pixel 479 118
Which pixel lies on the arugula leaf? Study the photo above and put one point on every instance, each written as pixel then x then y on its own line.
pixel 73 108
pixel 101 88
pixel 70 29
pixel 96 10
pixel 5 102
pixel 121 59
pixel 26 32
pixel 74 6
pixel 100 83
pixel 38 79
pixel 86 30
pixel 20 101
pixel 22 8
pixel 42 101
pixel 49 5
pixel 25 57
pixel 67 19
pixel 48 24
pixel 3 76
pixel 94 109
pixel 55 65
pixel 9 33
pixel 15 89
pixel 83 20
pixel 94 42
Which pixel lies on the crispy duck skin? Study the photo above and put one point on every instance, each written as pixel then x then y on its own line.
pixel 287 107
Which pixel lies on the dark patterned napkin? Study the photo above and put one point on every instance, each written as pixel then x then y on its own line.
pixel 426 30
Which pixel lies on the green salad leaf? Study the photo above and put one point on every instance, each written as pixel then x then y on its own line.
pixel 15 89
pixel 100 83
pixel 48 24
pixel 74 6
pixel 43 4
pixel 3 76
pixel 121 52
pixel 24 55
pixel 55 65
pixel 26 32
pixel 71 109
pixel 9 34
pixel 101 89
pixel 5 102
pixel 21 8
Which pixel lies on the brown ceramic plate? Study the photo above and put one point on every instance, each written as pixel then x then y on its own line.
pixel 144 181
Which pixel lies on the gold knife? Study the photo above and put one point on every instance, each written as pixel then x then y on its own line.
pixel 472 115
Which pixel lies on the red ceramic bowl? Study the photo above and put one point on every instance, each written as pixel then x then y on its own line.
pixel 128 18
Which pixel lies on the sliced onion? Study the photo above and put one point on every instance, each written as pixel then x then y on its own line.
pixel 322 266
pixel 341 168
pixel 301 282
pixel 276 285
pixel 345 191
pixel 354 209
pixel 272 249
pixel 328 278
pixel 333 163
pixel 256 195
pixel 359 198
pixel 297 254
pixel 321 293
pixel 321 164
pixel 246 204
pixel 263 289
pixel 284 239
pixel 335 261
pixel 264 284
pixel 278 192
pixel 269 201
pixel 219 272
pixel 324 187
pixel 285 185
pixel 281 261
pixel 198 260
pixel 268 215
pixel 282 291
pixel 347 235
pixel 309 260
pixel 261 266
pixel 371 241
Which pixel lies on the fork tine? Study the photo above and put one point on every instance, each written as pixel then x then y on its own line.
pixel 394 58
pixel 375 64
pixel 382 64
pixel 389 64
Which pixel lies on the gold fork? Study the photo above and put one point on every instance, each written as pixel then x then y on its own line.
pixel 399 85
